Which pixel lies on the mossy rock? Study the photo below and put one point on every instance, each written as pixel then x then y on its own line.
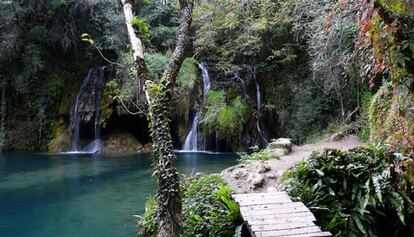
pixel 121 143
pixel 391 118
pixel 284 144
pixel 61 137
pixel 378 113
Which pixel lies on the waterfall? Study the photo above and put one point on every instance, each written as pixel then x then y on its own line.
pixel 258 95
pixel 191 141
pixel 256 83
pixel 242 83
pixel 206 79
pixel 93 85
pixel 95 146
pixel 75 118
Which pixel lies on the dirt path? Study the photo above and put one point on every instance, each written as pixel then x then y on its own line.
pixel 260 176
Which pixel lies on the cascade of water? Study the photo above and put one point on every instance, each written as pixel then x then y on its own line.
pixel 75 117
pixel 256 83
pixel 242 83
pixel 206 79
pixel 191 141
pixel 98 87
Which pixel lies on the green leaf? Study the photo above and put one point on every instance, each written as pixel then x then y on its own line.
pixel 377 187
pixel 320 173
pixel 331 192
pixel 359 224
pixel 87 38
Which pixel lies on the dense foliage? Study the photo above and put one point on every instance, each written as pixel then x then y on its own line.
pixel 385 53
pixel 355 193
pixel 42 59
pixel 310 62
pixel 300 52
pixel 224 114
pixel 208 209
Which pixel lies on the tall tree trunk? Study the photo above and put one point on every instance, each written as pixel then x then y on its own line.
pixel 159 94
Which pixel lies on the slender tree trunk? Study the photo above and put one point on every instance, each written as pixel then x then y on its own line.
pixel 159 94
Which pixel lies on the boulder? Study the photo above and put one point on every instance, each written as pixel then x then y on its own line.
pixel 121 143
pixel 281 146
pixel 264 168
pixel 147 148
pixel 256 180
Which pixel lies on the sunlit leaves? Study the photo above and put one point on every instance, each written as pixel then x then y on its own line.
pixel 87 38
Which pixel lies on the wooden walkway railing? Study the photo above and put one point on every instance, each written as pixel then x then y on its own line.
pixel 275 215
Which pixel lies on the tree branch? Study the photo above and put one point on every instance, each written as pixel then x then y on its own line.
pixel 177 58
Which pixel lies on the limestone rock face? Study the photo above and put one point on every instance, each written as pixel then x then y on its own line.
pixel 121 142
pixel 249 177
pixel 281 146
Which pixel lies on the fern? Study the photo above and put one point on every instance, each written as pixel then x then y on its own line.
pixel 381 184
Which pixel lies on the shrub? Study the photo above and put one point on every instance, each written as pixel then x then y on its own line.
pixel 208 209
pixel 264 154
pixel 352 193
pixel 227 119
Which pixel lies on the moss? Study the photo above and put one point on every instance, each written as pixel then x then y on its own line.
pixel 106 106
pixel 367 97
pixel 60 137
pixel 228 118
pixel 401 7
pixel 391 118
pixel 265 154
pixel 188 88
pixel 68 96
pixel 378 113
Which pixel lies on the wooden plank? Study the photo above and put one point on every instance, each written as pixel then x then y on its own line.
pixel 261 198
pixel 290 232
pixel 274 214
pixel 260 194
pixel 255 195
pixel 283 216
pixel 320 234
pixel 277 220
pixel 285 226
pixel 249 202
pixel 271 206
pixel 282 210
pixel 275 211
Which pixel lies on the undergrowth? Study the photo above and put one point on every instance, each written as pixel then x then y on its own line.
pixel 356 192
pixel 265 154
pixel 208 210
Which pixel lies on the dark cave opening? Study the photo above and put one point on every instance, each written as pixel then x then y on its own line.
pixel 136 125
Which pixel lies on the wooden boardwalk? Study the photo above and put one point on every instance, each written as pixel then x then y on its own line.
pixel 274 214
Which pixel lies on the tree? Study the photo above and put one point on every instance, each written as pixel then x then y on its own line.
pixel 158 95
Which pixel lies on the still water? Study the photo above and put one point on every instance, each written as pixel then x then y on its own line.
pixel 83 195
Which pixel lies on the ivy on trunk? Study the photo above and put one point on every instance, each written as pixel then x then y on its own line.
pixel 158 94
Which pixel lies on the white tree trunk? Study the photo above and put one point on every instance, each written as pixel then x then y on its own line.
pixel 137 49
pixel 159 106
